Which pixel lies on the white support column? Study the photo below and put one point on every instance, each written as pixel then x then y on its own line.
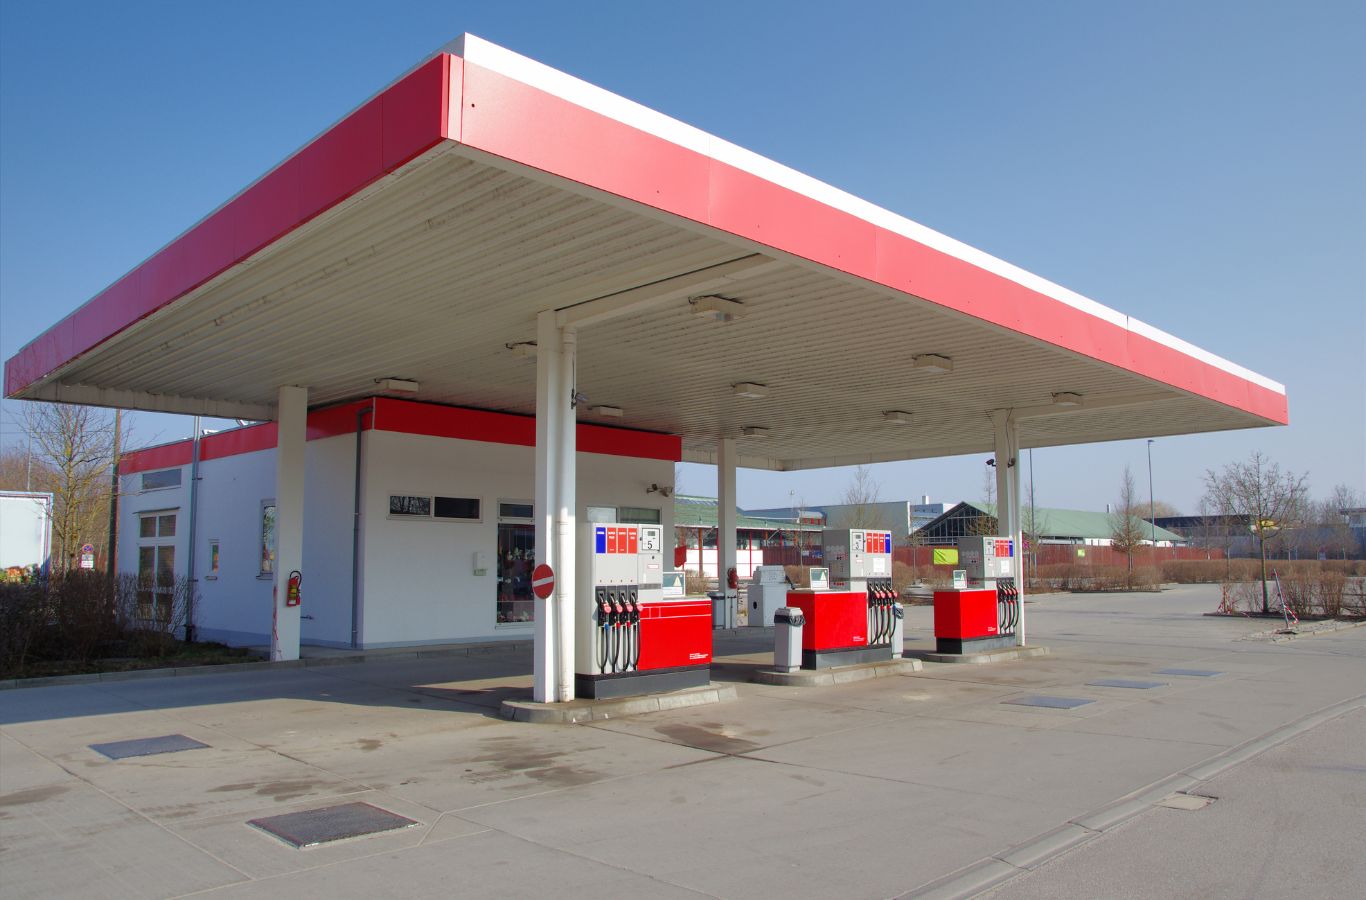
pixel 566 526
pixel 1006 435
pixel 725 526
pixel 291 418
pixel 1017 526
pixel 548 396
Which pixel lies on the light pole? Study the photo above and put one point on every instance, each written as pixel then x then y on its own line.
pixel 1151 514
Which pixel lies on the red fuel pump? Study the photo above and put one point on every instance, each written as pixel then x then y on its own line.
pixel 629 638
pixel 985 614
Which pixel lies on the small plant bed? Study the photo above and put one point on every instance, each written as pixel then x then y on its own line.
pixel 177 655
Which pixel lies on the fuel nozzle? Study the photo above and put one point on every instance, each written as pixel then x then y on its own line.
pixel 633 606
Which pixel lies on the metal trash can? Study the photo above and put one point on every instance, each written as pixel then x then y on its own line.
pixel 718 609
pixel 787 638
pixel 898 629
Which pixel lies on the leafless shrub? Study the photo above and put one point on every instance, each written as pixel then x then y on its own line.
pixel 695 582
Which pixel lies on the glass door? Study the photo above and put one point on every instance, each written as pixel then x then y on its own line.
pixel 516 559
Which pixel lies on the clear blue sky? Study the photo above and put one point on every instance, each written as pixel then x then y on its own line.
pixel 1201 165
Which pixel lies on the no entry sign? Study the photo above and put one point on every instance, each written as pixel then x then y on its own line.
pixel 543 581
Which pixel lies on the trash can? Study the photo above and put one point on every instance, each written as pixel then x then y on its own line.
pixel 787 638
pixel 719 619
pixel 898 629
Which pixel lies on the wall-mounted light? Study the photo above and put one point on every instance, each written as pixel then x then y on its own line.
pixel 522 349
pixel 932 363
pixel 1068 398
pixel 722 309
pixel 896 417
pixel 664 490
pixel 749 390
pixel 397 385
pixel 754 431
pixel 612 412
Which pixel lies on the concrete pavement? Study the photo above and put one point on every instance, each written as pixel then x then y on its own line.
pixel 873 789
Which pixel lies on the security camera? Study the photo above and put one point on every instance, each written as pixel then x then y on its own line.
pixel 662 490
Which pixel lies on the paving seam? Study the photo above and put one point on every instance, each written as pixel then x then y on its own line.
pixel 995 870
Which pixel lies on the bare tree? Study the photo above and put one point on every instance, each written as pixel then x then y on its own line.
pixel 1270 499
pixel 1334 536
pixel 1128 531
pixel 73 448
pixel 861 497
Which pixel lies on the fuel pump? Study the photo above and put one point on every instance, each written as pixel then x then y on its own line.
pixel 856 619
pixel 630 639
pixel 860 560
pixel 985 614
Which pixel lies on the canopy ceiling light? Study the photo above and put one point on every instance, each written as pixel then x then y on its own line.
pixel 397 385
pixel 896 417
pixel 614 412
pixel 932 363
pixel 522 349
pixel 754 431
pixel 749 390
pixel 722 309
pixel 1067 398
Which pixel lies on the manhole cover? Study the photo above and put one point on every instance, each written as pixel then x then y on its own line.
pixel 1049 702
pixel 167 743
pixel 1126 683
pixel 1194 673
pixel 331 823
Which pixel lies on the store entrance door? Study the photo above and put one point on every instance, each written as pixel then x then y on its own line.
pixel 516 559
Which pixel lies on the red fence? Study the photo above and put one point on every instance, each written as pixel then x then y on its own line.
pixel 1046 555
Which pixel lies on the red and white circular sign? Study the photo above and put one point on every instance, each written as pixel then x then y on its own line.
pixel 543 581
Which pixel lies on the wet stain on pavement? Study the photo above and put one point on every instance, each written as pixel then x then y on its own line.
pixel 276 790
pixel 33 795
pixel 368 744
pixel 508 757
pixel 706 736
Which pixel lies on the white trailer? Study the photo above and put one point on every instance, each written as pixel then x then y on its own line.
pixel 25 530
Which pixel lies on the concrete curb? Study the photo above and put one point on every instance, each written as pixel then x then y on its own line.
pixel 838 674
pixel 265 665
pixel 986 657
pixel 576 711
pixel 999 868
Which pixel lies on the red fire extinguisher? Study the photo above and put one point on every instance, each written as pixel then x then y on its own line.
pixel 732 579
pixel 294 589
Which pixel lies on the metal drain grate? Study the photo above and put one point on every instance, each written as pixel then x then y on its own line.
pixel 1049 702
pixel 1126 683
pixel 1194 673
pixel 167 743
pixel 331 823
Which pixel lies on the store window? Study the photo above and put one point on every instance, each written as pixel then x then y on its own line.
pixel 516 558
pixel 156 567
pixel 165 478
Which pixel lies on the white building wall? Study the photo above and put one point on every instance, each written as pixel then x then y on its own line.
pixel 418 576
pixel 234 605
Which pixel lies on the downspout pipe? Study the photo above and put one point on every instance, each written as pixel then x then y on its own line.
pixel 355 529
pixel 192 584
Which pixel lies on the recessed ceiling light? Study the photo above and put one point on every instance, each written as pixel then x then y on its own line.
pixel 722 309
pixel 896 417
pixel 750 390
pixel 522 349
pixel 613 412
pixel 1067 398
pixel 397 385
pixel 932 363
pixel 754 431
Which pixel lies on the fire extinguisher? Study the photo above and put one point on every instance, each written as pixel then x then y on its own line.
pixel 732 579
pixel 294 589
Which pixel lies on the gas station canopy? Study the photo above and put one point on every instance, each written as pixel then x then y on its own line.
pixel 420 236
